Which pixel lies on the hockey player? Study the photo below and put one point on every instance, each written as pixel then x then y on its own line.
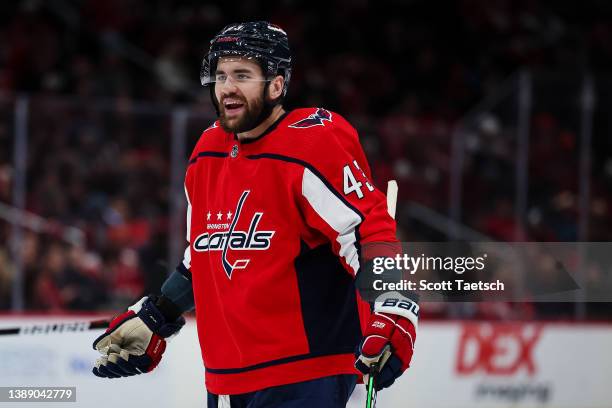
pixel 279 206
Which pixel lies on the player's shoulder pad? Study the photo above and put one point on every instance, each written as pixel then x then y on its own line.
pixel 313 131
pixel 211 138
pixel 318 122
pixel 214 130
pixel 313 118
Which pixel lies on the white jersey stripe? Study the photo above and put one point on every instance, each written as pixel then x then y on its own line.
pixel 188 215
pixel 187 256
pixel 336 214
pixel 224 401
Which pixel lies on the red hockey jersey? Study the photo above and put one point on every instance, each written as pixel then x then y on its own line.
pixel 275 227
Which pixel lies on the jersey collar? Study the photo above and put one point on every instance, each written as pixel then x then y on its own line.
pixel 265 132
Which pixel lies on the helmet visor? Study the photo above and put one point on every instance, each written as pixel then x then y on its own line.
pixel 209 74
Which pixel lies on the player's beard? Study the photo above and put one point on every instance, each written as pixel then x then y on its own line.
pixel 250 118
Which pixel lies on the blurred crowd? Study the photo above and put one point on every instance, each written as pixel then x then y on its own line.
pixel 103 78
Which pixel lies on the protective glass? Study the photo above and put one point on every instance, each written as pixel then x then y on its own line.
pixel 234 78
pixel 210 75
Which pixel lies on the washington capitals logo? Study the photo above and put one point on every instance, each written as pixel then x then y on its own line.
pixel 316 119
pixel 233 239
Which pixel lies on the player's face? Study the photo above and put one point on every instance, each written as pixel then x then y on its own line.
pixel 239 85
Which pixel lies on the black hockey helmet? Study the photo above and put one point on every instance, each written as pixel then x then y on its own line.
pixel 260 40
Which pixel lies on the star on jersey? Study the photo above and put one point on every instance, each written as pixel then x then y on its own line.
pixel 233 239
pixel 228 215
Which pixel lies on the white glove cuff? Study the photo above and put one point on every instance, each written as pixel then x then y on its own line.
pixel 138 305
pixel 395 303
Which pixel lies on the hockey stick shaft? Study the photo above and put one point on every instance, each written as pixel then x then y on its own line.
pixel 370 396
pixel 392 190
pixel 392 197
pixel 49 328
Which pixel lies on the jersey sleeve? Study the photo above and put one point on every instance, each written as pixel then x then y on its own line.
pixel 185 265
pixel 338 199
